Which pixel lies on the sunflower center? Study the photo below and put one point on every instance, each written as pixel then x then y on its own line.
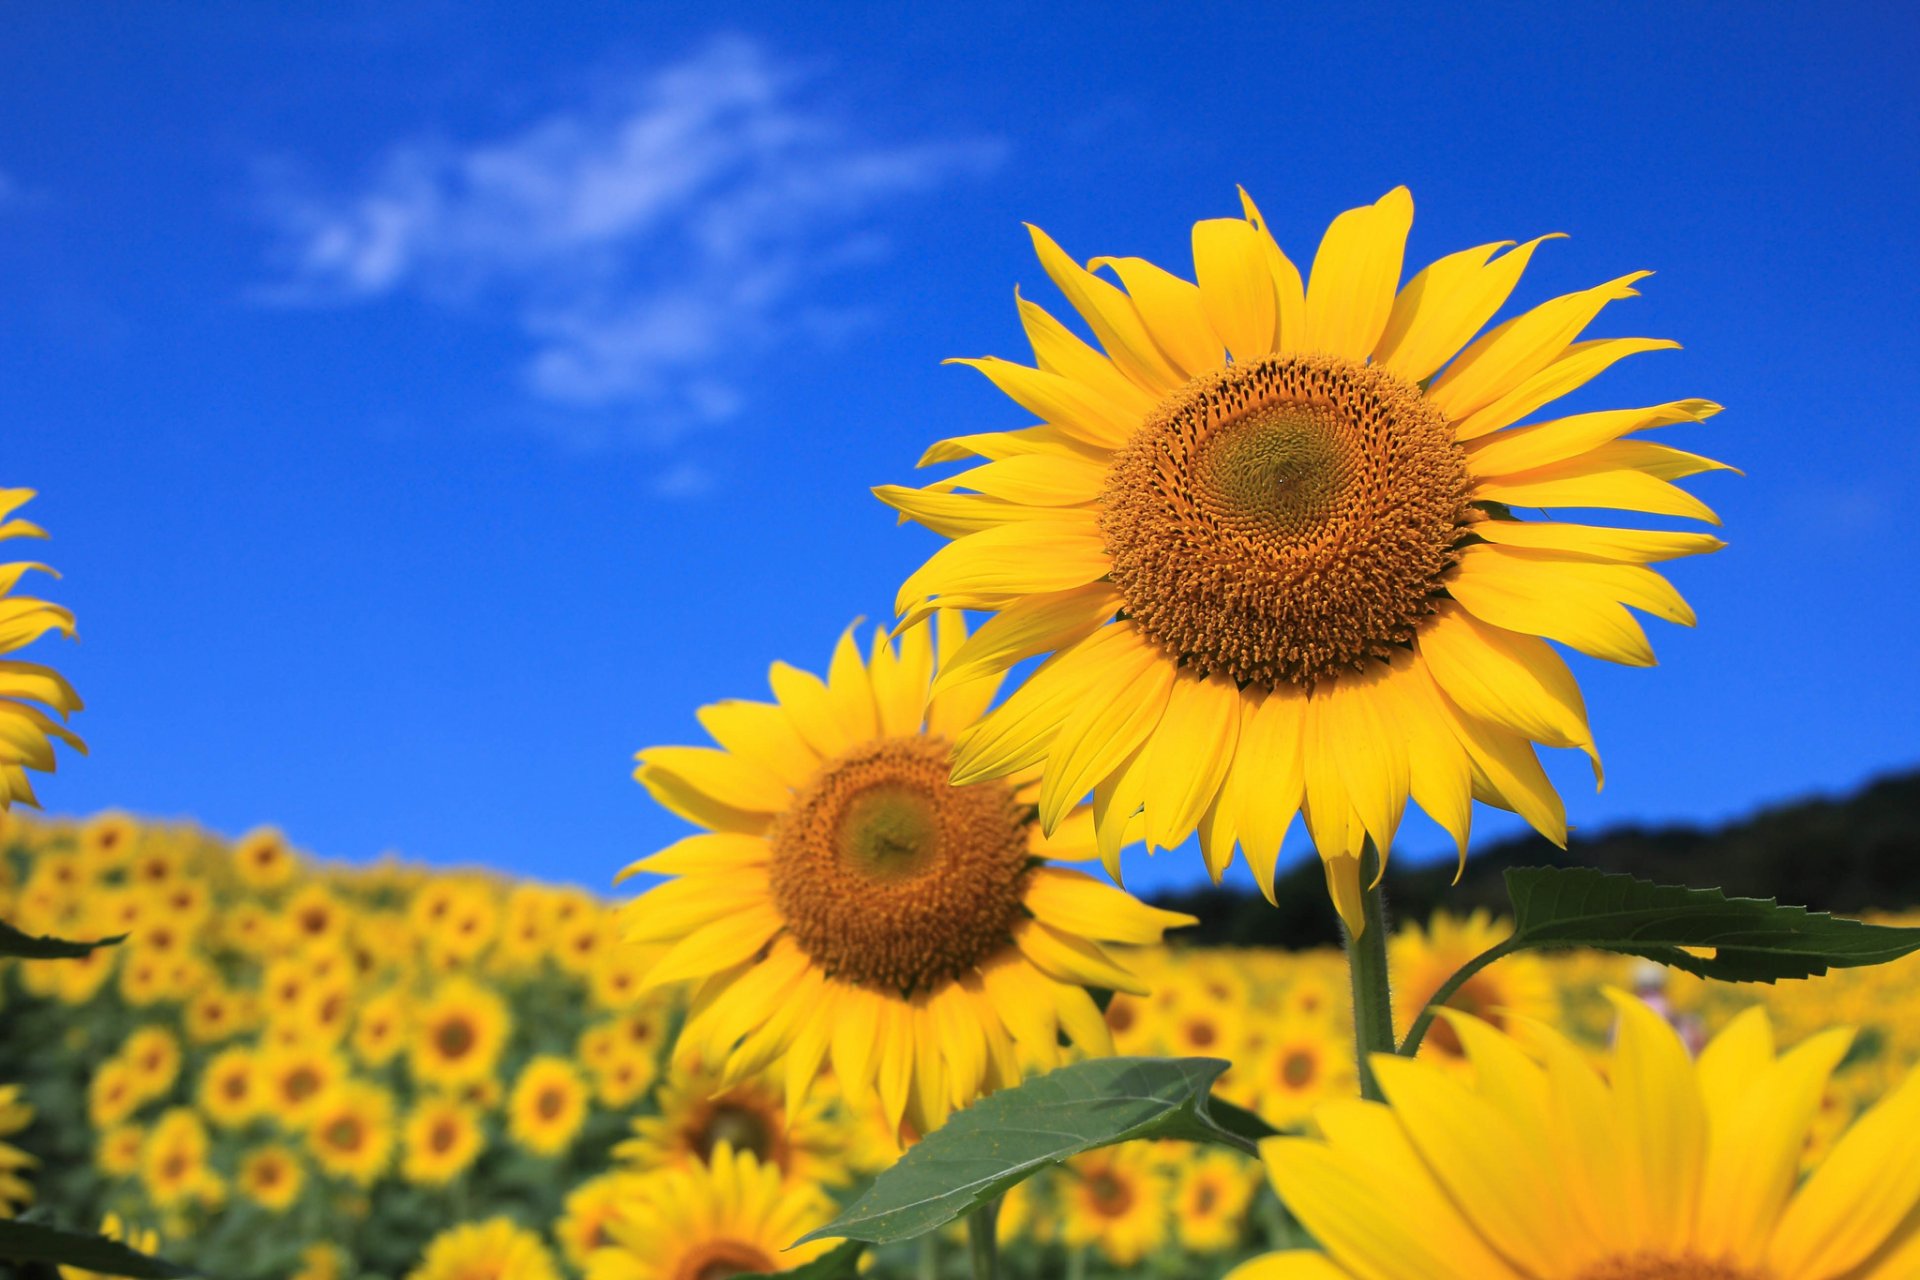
pixel 1652 1266
pixel 886 874
pixel 1111 1196
pixel 1285 520
pixel 741 1127
pixel 1298 1069
pixel 721 1259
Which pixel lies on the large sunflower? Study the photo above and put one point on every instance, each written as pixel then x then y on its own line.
pixel 851 906
pixel 1267 536
pixel 733 1216
pixel 1667 1169
pixel 26 730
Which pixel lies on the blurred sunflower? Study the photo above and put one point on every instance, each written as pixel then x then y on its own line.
pixel 1509 990
pixel 111 1096
pixel 1666 1169
pixel 262 859
pixel 293 1078
pixel 1116 1199
pixel 230 1093
pixel 458 1034
pixel 380 1028
pixel 1305 1062
pixel 1210 1201
pixel 27 731
pixel 697 1115
pixel 173 1159
pixel 117 1154
pixel 850 905
pixel 350 1131
pixel 732 1216
pixel 16 1193
pixel 496 1249
pixel 271 1177
pixel 590 1206
pixel 1268 539
pixel 152 1054
pixel 548 1105
pixel 441 1140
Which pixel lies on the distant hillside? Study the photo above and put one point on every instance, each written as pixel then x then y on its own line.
pixel 1844 855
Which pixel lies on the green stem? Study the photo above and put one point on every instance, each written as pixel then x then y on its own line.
pixel 982 1247
pixel 1418 1031
pixel 1077 1263
pixel 929 1268
pixel 1367 964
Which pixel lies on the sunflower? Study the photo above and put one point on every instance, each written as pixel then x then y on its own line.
pixel 1116 1199
pixel 697 1115
pixel 440 1141
pixel 496 1249
pixel 107 840
pixel 1666 1169
pixel 590 1207
pixel 16 1193
pixel 117 1154
pixel 458 1034
pixel 379 1028
pixel 350 1131
pixel 1210 1201
pixel 111 1096
pixel 1269 542
pixel 215 1014
pixel 294 1077
pixel 1512 988
pixel 850 905
pixel 173 1159
pixel 271 1177
pixel 548 1105
pixel 321 1262
pixel 732 1216
pixel 27 732
pixel 262 859
pixel 231 1092
pixel 1305 1063
pixel 152 1053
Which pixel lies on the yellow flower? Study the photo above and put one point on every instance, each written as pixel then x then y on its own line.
pixel 719 1219
pixel 231 1088
pixel 697 1114
pixel 548 1105
pixel 271 1177
pixel 321 1262
pixel 16 1193
pixel 118 1152
pixel 1306 1062
pixel 1510 989
pixel 111 1095
pixel 108 840
pixel 350 1131
pixel 1666 1169
pixel 27 732
pixel 1115 1199
pixel 147 1242
pixel 152 1055
pixel 215 1014
pixel 492 1250
pixel 313 914
pixel 458 1034
pixel 442 1138
pixel 380 1028
pixel 173 1160
pixel 1210 1203
pixel 263 860
pixel 851 906
pixel 293 1079
pixel 1269 541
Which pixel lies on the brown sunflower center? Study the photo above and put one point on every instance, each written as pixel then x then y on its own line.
pixel 721 1259
pixel 1111 1196
pixel 1285 520
pixel 740 1126
pixel 1298 1069
pixel 888 875
pixel 1652 1266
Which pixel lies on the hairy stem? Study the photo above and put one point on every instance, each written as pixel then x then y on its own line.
pixel 1367 964
pixel 1418 1031
pixel 981 1243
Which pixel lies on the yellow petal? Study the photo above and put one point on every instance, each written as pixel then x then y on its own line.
pixel 1619 490
pixel 1236 289
pixel 1057 401
pixel 1851 1204
pixel 1019 731
pixel 1057 349
pixel 1355 724
pixel 1268 780
pixel 1510 771
pixel 1441 309
pixel 1544 443
pixel 1513 680
pixel 1188 755
pixel 1355 274
pixel 1104 730
pixel 727 941
pixel 1035 479
pixel 1578 365
pixel 1577 602
pixel 1596 542
pixel 1289 293
pixel 804 699
pixel 1073 902
pixel 763 734
pixel 1030 625
pixel 850 690
pixel 1510 353
pixel 730 780
pixel 678 796
pixel 1012 560
pixel 1173 313
pixel 1112 317
pixel 1662 1121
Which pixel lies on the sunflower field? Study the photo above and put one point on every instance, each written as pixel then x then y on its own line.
pixel 318 1071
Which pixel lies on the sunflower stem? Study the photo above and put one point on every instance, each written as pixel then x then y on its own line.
pixel 1418 1031
pixel 1367 964
pixel 929 1268
pixel 982 1247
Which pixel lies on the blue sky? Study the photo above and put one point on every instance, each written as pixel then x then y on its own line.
pixel 433 404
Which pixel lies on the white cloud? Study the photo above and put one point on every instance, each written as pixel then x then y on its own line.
pixel 640 242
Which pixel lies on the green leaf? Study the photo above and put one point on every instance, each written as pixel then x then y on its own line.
pixel 839 1264
pixel 36 1242
pixel 23 946
pixel 1009 1136
pixel 1753 939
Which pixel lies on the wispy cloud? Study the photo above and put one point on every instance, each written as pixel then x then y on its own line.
pixel 640 242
